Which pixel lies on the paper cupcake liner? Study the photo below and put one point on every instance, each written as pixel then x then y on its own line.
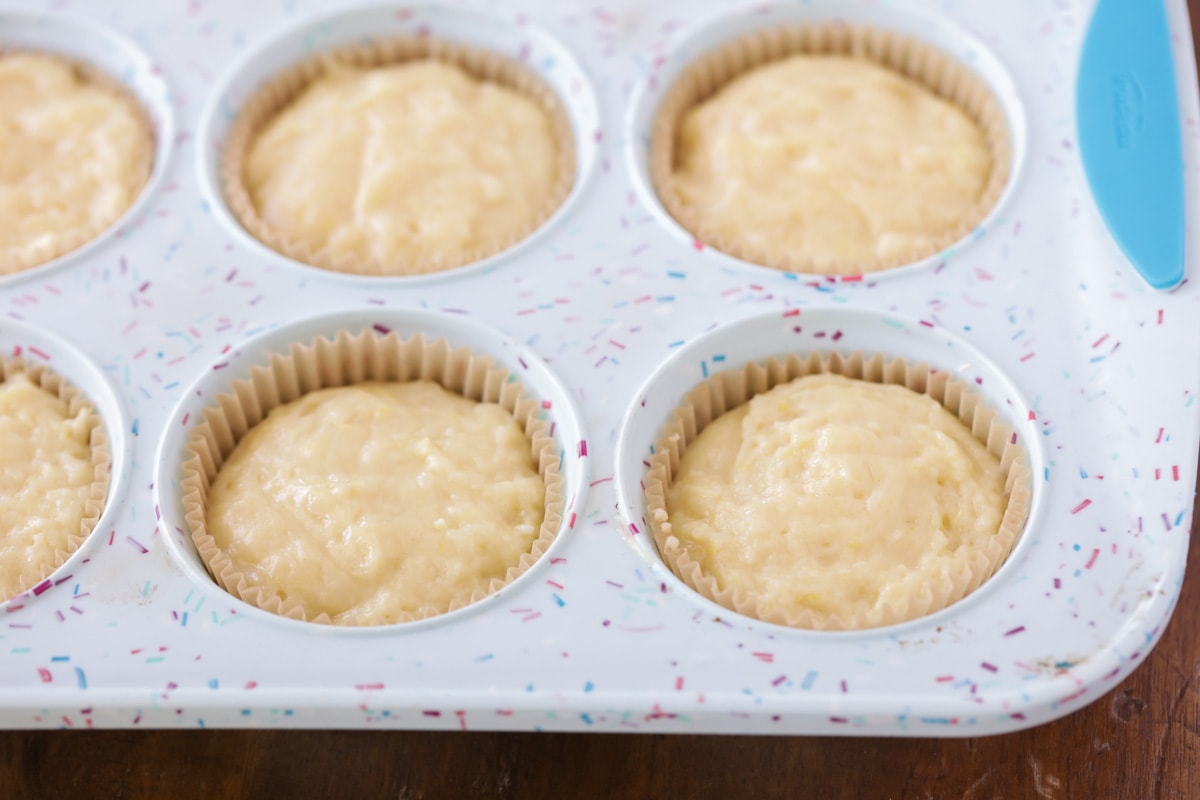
pixel 277 93
pixel 914 59
pixel 93 506
pixel 62 244
pixel 347 360
pixel 727 390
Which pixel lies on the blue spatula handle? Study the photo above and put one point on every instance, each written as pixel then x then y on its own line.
pixel 1128 127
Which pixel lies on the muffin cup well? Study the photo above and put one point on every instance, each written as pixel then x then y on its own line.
pixel 281 90
pixel 801 339
pixel 346 360
pixel 826 33
pixel 106 58
pixel 102 461
pixel 727 390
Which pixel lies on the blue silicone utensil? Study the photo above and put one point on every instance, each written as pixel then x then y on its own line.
pixel 1127 120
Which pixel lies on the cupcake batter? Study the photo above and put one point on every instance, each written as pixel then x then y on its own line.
pixel 829 158
pixel 375 499
pixel 404 166
pixel 73 158
pixel 46 474
pixel 836 495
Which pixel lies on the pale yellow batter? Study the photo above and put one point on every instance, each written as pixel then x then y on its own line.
pixel 412 164
pixel 833 159
pixel 73 158
pixel 45 476
pixel 835 495
pixel 369 501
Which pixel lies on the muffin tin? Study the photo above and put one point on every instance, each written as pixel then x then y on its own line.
pixel 1098 371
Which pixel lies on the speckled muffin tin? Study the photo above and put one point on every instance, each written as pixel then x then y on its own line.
pixel 1103 373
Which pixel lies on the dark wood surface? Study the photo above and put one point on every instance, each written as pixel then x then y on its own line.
pixel 1140 741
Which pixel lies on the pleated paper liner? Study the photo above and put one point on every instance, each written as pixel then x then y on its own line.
pixel 53 383
pixel 62 244
pixel 727 390
pixel 277 93
pixel 914 59
pixel 346 360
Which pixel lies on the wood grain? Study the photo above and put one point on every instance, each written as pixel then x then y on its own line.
pixel 1140 741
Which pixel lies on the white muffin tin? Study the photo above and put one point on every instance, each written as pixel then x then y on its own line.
pixel 1099 373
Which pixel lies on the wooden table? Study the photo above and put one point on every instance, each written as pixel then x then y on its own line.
pixel 1140 741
